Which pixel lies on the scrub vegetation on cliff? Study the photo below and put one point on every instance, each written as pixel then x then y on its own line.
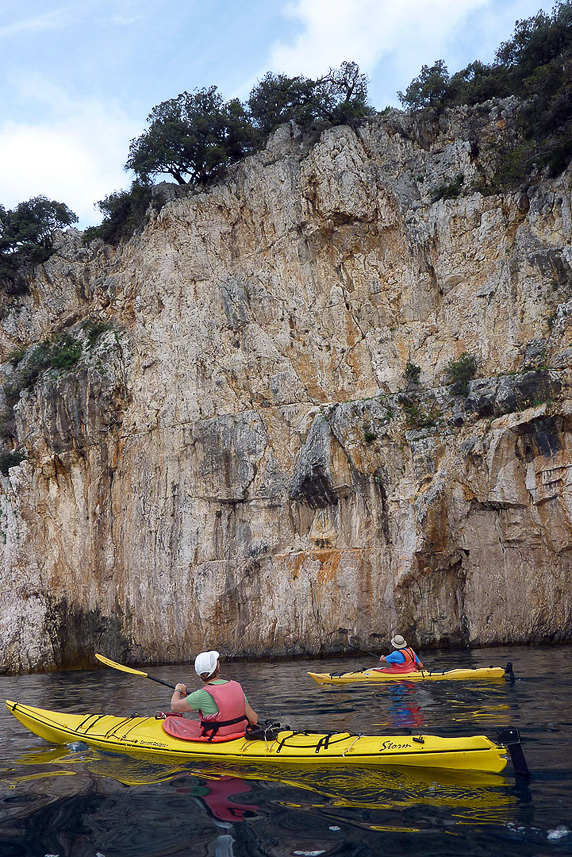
pixel 60 353
pixel 195 137
pixel 27 239
pixel 535 65
pixel 461 371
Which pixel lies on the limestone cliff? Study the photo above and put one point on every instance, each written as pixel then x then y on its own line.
pixel 237 459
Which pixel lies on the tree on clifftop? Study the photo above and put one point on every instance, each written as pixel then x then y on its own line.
pixel 344 94
pixel 31 225
pixel 430 90
pixel 536 66
pixel 337 98
pixel 193 138
pixel 279 98
pixel 26 238
pixel 124 213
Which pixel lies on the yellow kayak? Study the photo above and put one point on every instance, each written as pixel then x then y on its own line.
pixel 374 675
pixel 145 736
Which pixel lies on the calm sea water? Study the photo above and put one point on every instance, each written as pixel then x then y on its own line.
pixel 77 802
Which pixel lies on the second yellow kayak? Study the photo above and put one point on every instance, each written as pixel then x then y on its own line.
pixel 373 675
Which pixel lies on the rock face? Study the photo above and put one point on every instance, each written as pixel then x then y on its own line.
pixel 237 460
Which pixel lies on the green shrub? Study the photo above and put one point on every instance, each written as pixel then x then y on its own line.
pixel 125 212
pixel 65 352
pixel 511 166
pixel 93 330
pixel 412 372
pixel 420 415
pixel 369 434
pixel 62 354
pixel 448 190
pixel 29 366
pixel 461 371
pixel 16 355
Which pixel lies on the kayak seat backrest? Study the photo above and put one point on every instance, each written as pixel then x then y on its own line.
pixel 190 730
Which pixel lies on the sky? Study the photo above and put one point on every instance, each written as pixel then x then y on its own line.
pixel 78 78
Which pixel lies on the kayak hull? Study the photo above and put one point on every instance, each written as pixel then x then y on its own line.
pixel 144 736
pixel 375 675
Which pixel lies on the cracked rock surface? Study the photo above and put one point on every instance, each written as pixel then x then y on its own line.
pixel 239 462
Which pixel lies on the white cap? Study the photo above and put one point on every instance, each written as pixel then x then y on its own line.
pixel 206 663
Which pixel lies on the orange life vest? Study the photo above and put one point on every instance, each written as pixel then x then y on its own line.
pixel 409 665
pixel 231 711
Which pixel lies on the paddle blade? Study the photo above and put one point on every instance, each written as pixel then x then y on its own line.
pixel 116 666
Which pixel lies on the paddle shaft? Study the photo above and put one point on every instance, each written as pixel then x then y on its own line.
pixel 363 651
pixel 159 680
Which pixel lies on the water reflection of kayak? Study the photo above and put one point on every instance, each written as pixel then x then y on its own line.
pixel 145 736
pixel 375 675
pixel 366 788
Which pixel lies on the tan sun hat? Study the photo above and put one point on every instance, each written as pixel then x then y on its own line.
pixel 206 662
pixel 398 642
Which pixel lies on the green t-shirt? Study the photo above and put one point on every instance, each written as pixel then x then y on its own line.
pixel 201 700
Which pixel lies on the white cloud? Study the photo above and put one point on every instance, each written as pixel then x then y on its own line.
pixel 72 150
pixel 76 160
pixel 365 30
pixel 66 16
pixel 396 36
pixel 53 19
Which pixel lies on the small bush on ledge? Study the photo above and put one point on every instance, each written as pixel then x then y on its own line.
pixel 448 190
pixel 412 372
pixel 369 433
pixel 420 414
pixel 461 371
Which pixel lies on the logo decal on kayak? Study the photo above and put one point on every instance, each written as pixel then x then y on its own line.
pixel 389 745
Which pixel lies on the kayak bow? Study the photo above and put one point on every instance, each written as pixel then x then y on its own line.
pixel 145 736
